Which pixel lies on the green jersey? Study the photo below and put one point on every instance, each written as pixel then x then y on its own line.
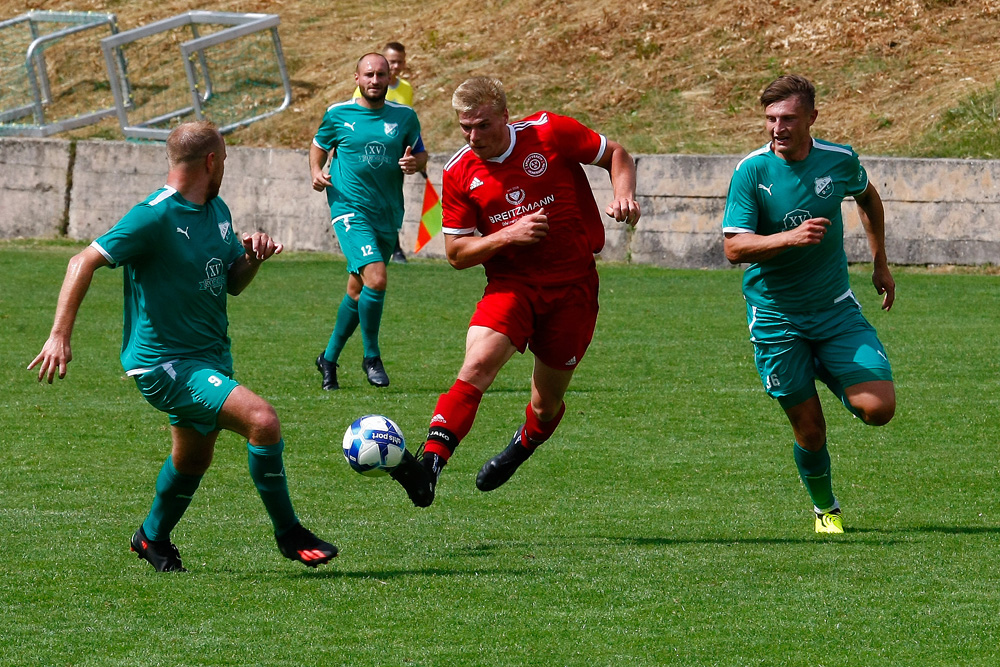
pixel 176 257
pixel 367 146
pixel 768 195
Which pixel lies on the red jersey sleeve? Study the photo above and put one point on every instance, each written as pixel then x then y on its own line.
pixel 458 212
pixel 575 141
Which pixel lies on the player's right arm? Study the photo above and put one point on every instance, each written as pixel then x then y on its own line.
pixel 742 244
pixel 465 250
pixel 317 161
pixel 747 247
pixel 56 353
pixel 322 146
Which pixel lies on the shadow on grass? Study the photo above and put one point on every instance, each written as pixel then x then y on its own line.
pixel 385 575
pixel 805 539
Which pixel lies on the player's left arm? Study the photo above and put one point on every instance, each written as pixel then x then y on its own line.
pixel 617 161
pixel 259 247
pixel 873 220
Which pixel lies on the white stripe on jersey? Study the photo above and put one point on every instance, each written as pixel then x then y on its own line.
pixel 760 151
pixel 541 120
pixel 466 230
pixel 167 193
pixel 340 104
pixel 736 230
pixel 600 151
pixel 829 147
pixel 101 250
pixel 457 156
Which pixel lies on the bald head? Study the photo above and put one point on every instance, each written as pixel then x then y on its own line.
pixel 372 60
pixel 191 142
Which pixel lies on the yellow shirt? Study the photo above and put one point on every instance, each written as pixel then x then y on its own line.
pixel 401 93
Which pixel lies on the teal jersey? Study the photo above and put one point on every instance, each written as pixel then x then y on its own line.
pixel 367 145
pixel 768 195
pixel 176 257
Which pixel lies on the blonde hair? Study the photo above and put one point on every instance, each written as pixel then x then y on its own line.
pixel 192 141
pixel 477 92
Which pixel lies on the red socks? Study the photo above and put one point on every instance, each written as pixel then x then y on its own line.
pixel 453 416
pixel 456 410
pixel 536 431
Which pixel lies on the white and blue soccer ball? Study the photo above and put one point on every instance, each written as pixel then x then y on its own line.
pixel 373 445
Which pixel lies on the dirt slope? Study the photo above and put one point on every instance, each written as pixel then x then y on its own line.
pixel 671 76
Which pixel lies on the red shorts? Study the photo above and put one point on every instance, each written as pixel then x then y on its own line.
pixel 557 323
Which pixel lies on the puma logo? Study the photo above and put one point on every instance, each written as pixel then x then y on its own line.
pixel 350 125
pixel 184 232
pixel 766 188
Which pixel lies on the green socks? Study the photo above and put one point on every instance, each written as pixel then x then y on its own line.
pixel 268 473
pixel 814 469
pixel 370 313
pixel 366 311
pixel 173 495
pixel 347 322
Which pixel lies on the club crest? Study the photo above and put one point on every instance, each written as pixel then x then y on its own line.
pixel 514 196
pixel 824 187
pixel 535 164
pixel 391 129
pixel 224 228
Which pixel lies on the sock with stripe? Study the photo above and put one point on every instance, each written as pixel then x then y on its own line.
pixel 267 469
pixel 814 469
pixel 453 417
pixel 174 491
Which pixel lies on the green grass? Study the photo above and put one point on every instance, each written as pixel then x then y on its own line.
pixel 663 524
pixel 970 129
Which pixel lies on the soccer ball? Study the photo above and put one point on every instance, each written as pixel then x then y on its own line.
pixel 373 445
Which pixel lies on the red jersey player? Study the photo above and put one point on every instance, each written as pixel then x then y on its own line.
pixel 521 186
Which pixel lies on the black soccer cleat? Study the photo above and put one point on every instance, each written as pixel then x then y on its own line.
pixel 418 476
pixel 373 368
pixel 161 554
pixel 329 372
pixel 398 257
pixel 502 467
pixel 298 543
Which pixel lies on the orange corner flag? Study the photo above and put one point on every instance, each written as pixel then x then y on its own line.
pixel 430 218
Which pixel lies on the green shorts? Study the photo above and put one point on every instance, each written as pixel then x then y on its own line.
pixel 190 392
pixel 361 242
pixel 787 348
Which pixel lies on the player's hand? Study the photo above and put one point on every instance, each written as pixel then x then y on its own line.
pixel 884 285
pixel 260 246
pixel 55 355
pixel 408 163
pixel 810 232
pixel 624 209
pixel 528 229
pixel 321 181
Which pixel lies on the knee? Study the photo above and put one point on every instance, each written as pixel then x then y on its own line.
pixel 812 437
pixel 265 428
pixel 879 414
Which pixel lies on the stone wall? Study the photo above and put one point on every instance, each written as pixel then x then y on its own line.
pixel 937 211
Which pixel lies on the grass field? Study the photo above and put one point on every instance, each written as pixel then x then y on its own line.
pixel 664 524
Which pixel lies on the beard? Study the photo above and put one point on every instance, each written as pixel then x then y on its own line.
pixel 380 97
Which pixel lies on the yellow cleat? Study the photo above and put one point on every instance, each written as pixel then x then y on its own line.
pixel 829 522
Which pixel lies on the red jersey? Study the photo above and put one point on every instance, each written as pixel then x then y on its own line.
pixel 541 168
